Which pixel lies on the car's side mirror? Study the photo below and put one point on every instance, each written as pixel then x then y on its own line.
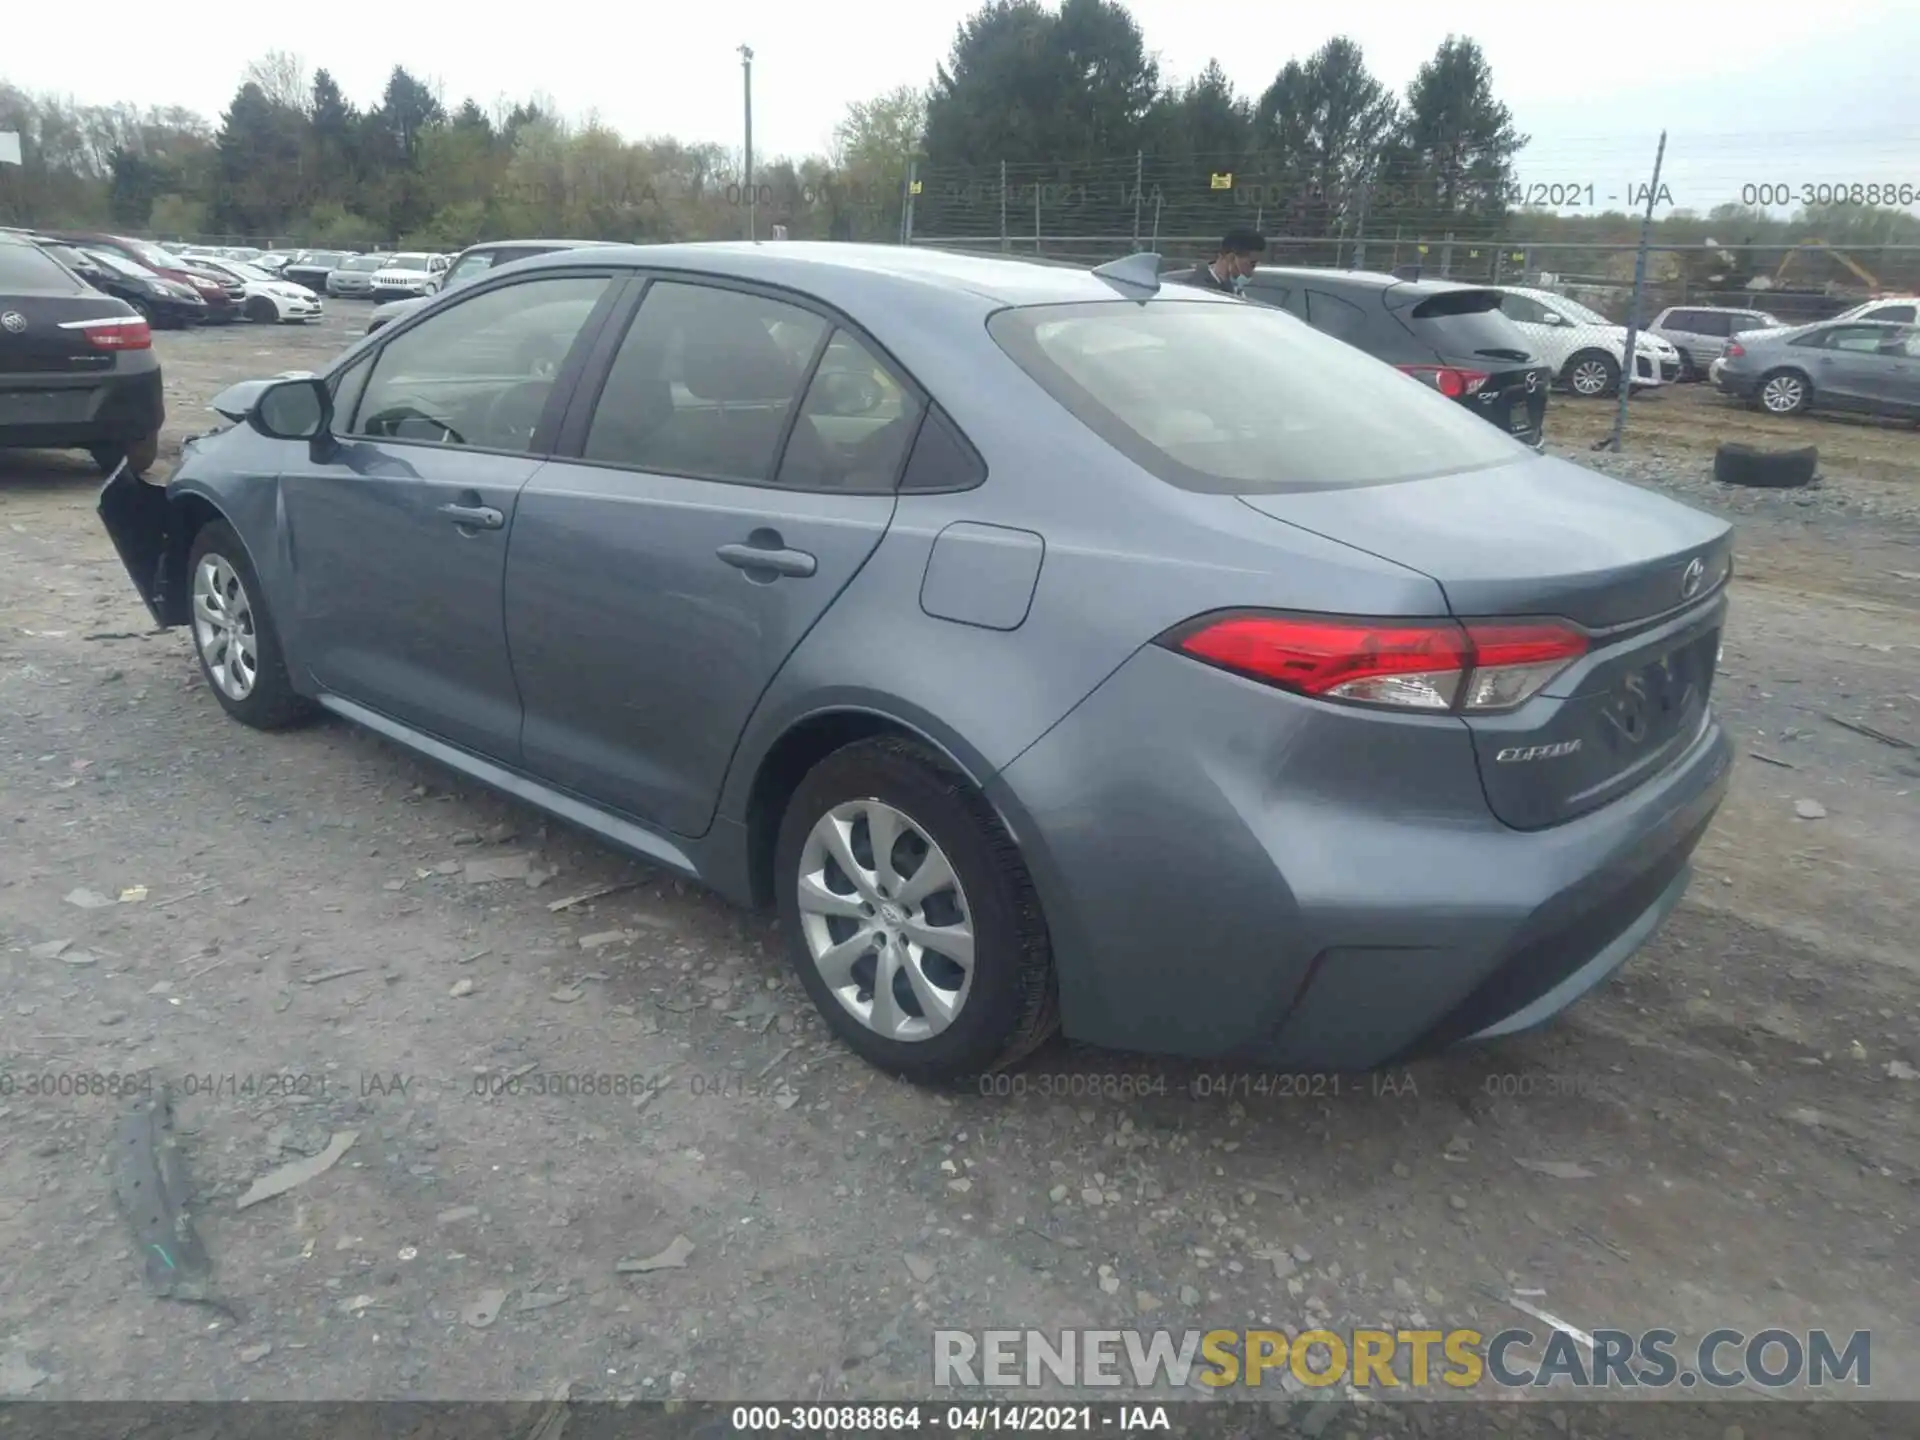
pixel 1551 317
pixel 293 410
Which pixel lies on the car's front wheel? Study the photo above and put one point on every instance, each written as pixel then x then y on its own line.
pixel 1592 374
pixel 234 636
pixel 261 310
pixel 910 916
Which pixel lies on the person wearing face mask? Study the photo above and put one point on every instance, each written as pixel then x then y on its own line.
pixel 1229 271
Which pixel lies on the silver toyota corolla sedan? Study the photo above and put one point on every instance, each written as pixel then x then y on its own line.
pixel 1050 648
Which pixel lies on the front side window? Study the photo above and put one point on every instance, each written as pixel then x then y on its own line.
pixel 1234 399
pixel 479 373
pixel 1861 339
pixel 1524 309
pixel 704 384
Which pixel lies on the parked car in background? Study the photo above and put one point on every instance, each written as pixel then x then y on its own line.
pixel 1587 351
pixel 1857 365
pixel 470 265
pixel 408 273
pixel 161 262
pixel 274 260
pixel 164 304
pixel 265 298
pixel 1701 332
pixel 234 294
pixel 1887 310
pixel 353 276
pixel 1408 723
pixel 312 267
pixel 1453 338
pixel 77 368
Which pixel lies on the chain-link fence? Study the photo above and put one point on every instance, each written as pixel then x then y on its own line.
pixel 1693 263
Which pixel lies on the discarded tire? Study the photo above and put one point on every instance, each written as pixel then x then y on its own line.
pixel 1765 469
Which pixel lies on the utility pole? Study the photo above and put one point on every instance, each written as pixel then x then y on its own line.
pixel 746 70
pixel 1630 365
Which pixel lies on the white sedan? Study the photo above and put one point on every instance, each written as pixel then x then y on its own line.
pixel 269 299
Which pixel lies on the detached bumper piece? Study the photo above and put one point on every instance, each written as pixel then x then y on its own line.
pixel 137 516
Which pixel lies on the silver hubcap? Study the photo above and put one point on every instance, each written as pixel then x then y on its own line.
pixel 223 628
pixel 886 921
pixel 1782 393
pixel 1590 377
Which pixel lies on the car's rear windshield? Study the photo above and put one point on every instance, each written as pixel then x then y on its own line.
pixel 1242 399
pixel 1466 324
pixel 23 268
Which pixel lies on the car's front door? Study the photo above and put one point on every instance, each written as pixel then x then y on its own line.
pixel 730 478
pixel 398 529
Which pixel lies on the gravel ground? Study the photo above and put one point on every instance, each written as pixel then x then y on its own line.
pixel 313 935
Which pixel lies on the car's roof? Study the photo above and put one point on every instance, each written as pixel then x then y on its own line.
pixel 842 271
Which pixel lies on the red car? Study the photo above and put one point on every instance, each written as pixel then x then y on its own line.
pixel 220 304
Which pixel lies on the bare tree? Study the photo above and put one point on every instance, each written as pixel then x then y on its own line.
pixel 282 78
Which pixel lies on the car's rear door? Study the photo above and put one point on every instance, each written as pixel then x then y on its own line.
pixel 397 532
pixel 1849 370
pixel 728 478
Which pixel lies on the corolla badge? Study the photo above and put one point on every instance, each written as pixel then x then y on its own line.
pixel 1691 579
pixel 1516 753
pixel 13 322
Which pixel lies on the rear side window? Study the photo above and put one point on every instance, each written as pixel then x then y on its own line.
pixel 23 267
pixel 1710 322
pixel 1894 314
pixel 1466 325
pixel 942 458
pixel 855 424
pixel 1234 399
pixel 1339 318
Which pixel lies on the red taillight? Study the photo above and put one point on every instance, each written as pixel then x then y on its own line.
pixel 112 332
pixel 1450 380
pixel 1437 665
pixel 1734 350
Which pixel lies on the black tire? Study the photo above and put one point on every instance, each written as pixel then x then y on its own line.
pixel 1689 372
pixel 262 311
pixel 1012 1006
pixel 1597 359
pixel 272 703
pixel 1792 387
pixel 1765 469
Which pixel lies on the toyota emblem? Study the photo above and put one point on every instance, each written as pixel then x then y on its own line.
pixel 1533 381
pixel 1696 571
pixel 13 321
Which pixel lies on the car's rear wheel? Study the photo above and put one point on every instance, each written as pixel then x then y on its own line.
pixel 262 311
pixel 1592 374
pixel 234 636
pixel 910 916
pixel 1784 392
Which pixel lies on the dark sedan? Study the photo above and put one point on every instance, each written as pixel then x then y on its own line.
pixel 159 261
pixel 1858 365
pixel 165 304
pixel 1124 658
pixel 77 368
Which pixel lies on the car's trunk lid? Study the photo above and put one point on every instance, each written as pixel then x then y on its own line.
pixel 41 338
pixel 1465 327
pixel 1643 575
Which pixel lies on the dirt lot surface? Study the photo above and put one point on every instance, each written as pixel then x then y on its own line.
pixel 1723 1137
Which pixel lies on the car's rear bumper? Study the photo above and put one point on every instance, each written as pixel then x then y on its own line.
pixel 1232 872
pixel 58 412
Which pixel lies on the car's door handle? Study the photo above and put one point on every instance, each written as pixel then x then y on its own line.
pixel 758 557
pixel 474 517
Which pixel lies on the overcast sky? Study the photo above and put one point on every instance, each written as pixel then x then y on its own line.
pixel 1783 94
